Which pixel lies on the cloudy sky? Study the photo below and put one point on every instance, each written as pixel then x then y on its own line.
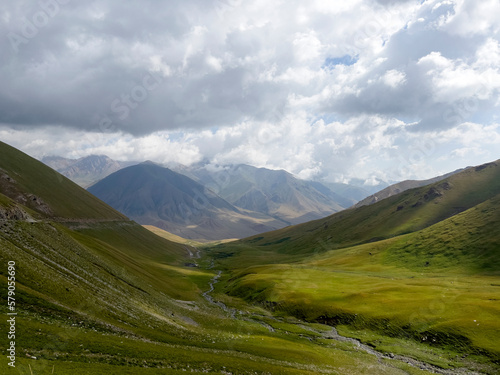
pixel 369 89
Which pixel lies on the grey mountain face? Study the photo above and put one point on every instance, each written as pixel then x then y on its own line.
pixel 85 171
pixel 154 195
pixel 273 192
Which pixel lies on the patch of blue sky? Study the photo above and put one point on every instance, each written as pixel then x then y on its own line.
pixel 173 136
pixel 347 60
pixel 327 118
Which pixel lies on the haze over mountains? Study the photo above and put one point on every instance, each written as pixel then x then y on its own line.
pixel 226 201
pixel 256 199
pixel 90 169
pixel 222 202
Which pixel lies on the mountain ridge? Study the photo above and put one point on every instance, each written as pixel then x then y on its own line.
pixel 19 175
pixel 273 192
pixel 401 187
pixel 88 170
pixel 406 212
pixel 151 194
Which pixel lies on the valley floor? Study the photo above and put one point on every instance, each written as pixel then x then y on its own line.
pixel 224 335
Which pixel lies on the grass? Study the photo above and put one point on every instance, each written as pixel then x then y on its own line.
pixel 111 297
pixel 177 239
pixel 456 311
pixel 171 237
pixel 410 211
pixel 48 192
pixel 139 310
pixel 431 294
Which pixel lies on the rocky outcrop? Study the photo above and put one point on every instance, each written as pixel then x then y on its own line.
pixel 14 213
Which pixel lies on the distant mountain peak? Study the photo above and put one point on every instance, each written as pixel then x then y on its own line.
pixel 272 192
pixel 155 195
pixel 150 162
pixel 87 170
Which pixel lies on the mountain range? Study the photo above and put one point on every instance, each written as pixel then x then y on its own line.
pixel 400 187
pixel 88 170
pixel 276 193
pixel 154 195
pixel 260 199
pixel 407 212
pixel 257 199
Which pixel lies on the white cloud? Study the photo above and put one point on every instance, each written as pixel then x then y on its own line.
pixel 459 79
pixel 307 47
pixel 368 148
pixel 473 135
pixel 394 78
pixel 474 17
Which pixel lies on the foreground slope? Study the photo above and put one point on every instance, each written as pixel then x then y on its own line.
pixel 416 274
pixel 96 293
pixel 154 195
pixel 45 191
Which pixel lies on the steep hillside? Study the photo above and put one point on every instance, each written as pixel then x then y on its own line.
pixel 83 270
pixel 436 288
pixel 400 187
pixel 40 188
pixel 157 196
pixel 88 170
pixel 406 212
pixel 274 193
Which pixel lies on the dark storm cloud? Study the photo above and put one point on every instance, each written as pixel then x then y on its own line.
pixel 89 66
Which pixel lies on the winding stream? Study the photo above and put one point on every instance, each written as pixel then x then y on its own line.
pixel 332 335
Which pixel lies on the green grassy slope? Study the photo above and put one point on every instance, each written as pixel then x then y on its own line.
pixel 44 190
pixel 407 212
pixel 431 294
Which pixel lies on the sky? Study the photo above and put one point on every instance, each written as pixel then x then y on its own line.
pixel 331 90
